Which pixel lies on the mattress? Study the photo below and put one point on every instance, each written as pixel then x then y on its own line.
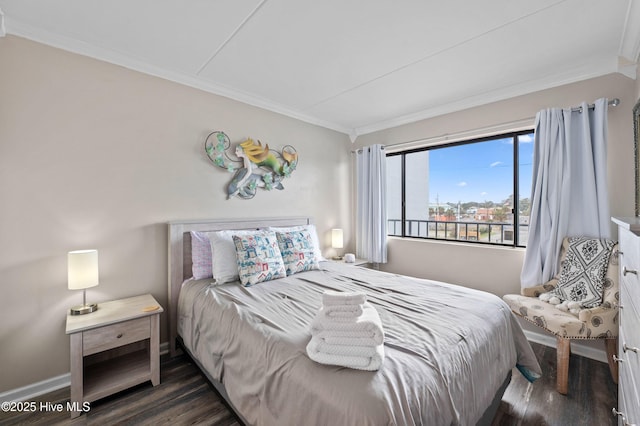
pixel 447 349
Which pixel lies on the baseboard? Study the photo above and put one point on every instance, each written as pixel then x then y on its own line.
pixel 576 347
pixel 34 390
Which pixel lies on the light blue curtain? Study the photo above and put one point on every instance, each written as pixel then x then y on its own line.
pixel 3 31
pixel 569 195
pixel 371 217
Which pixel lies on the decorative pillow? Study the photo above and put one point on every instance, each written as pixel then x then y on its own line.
pixel 259 258
pixel 312 231
pixel 583 270
pixel 223 254
pixel 298 252
pixel 200 255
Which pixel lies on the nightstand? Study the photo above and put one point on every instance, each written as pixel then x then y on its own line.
pixel 113 348
pixel 358 262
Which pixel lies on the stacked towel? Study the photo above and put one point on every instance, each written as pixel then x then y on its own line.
pixel 347 331
pixel 344 298
pixel 341 312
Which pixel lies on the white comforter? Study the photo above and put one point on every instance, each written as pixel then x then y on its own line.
pixel 447 349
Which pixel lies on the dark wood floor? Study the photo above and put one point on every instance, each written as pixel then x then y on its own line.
pixel 592 395
pixel 185 398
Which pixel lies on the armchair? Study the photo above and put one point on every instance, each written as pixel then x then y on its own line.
pixel 599 322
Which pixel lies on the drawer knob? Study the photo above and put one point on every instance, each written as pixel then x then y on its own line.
pixel 626 271
pixel 616 359
pixel 119 336
pixel 626 348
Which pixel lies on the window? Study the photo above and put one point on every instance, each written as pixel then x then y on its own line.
pixel 476 190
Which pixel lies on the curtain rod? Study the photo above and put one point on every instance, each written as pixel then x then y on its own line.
pixel 359 150
pixel 613 102
pixel 516 125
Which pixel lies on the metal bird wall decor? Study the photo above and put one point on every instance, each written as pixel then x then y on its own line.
pixel 254 165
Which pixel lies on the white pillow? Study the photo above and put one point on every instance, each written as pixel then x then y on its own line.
pixel 309 228
pixel 223 255
pixel 201 255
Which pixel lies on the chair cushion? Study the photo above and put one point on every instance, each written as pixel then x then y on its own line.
pixel 539 289
pixel 603 323
pixel 583 270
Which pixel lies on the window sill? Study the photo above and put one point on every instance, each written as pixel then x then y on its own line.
pixel 456 243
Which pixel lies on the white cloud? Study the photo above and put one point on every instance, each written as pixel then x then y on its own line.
pixel 495 163
pixel 528 138
pixel 462 183
pixel 483 193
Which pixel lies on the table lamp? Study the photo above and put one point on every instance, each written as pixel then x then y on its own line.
pixel 337 241
pixel 82 274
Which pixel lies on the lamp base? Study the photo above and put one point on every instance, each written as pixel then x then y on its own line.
pixel 84 309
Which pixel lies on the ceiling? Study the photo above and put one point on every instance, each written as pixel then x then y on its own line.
pixel 355 66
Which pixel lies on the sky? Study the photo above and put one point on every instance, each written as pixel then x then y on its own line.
pixel 479 172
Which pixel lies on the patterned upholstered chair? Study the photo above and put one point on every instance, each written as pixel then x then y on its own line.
pixel 599 322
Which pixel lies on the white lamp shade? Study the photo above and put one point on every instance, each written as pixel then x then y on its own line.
pixel 336 238
pixel 83 269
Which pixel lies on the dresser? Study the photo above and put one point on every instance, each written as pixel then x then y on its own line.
pixel 628 410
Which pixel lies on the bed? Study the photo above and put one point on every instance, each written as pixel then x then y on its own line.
pixel 449 350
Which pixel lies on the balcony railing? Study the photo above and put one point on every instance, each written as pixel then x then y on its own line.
pixel 488 232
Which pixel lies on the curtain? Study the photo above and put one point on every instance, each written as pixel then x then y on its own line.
pixel 3 31
pixel 371 216
pixel 569 195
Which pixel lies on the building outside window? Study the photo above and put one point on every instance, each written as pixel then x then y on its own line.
pixel 475 191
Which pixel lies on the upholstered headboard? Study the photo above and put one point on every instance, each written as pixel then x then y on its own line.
pixel 179 250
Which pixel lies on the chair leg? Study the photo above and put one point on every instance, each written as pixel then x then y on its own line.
pixel 564 350
pixel 612 349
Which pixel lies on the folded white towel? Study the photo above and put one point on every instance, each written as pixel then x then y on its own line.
pixel 349 339
pixel 367 326
pixel 368 363
pixel 317 344
pixel 341 312
pixel 331 297
pixel 355 338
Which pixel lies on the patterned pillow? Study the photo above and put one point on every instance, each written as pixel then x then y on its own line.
pixel 311 229
pixel 200 255
pixel 583 271
pixel 259 258
pixel 298 251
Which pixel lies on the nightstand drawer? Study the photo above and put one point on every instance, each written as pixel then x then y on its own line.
pixel 113 336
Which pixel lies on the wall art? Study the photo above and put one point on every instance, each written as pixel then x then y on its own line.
pixel 253 165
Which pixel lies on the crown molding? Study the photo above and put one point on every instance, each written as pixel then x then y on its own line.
pixel 589 70
pixel 630 41
pixel 585 72
pixel 21 29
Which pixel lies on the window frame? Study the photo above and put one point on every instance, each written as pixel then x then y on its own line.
pixel 516 186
